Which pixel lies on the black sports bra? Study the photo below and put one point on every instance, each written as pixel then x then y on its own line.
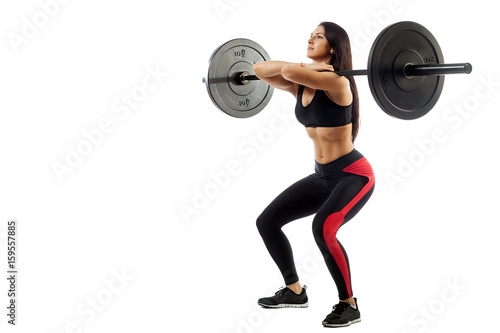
pixel 322 111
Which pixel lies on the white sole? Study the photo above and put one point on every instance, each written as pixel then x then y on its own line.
pixel 342 325
pixel 285 305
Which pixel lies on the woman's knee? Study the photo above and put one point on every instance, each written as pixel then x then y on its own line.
pixel 268 223
pixel 261 223
pixel 317 227
pixel 324 227
pixel 264 222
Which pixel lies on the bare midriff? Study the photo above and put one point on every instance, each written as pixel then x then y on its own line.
pixel 330 143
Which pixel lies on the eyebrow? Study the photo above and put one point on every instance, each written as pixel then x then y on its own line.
pixel 318 33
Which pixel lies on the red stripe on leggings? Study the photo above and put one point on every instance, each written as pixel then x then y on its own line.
pixel 332 224
pixel 363 168
pixel 334 221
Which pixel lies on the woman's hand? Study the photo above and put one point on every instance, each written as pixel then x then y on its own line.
pixel 318 67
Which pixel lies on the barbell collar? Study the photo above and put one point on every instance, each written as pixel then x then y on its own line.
pixel 244 77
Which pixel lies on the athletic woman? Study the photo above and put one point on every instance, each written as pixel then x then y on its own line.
pixel 327 105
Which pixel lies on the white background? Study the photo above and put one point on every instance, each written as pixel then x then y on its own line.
pixel 119 210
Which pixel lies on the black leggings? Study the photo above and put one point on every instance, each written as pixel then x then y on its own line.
pixel 335 193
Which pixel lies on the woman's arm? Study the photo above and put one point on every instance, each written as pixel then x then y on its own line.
pixel 316 76
pixel 286 75
pixel 270 72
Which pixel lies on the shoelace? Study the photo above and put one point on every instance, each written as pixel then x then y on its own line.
pixel 281 291
pixel 339 308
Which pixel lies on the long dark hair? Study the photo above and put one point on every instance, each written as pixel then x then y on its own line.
pixel 342 60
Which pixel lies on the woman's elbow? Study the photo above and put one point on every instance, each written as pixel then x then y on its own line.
pixel 288 72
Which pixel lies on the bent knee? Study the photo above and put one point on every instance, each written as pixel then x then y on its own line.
pixel 263 223
pixel 268 223
pixel 327 225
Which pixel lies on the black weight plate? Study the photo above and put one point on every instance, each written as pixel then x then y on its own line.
pixel 236 56
pixel 400 96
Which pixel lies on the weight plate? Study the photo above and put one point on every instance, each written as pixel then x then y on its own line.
pixel 227 61
pixel 398 95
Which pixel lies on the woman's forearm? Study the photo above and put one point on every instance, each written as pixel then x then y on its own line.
pixel 270 68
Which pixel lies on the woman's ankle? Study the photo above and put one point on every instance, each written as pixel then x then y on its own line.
pixel 295 287
pixel 350 301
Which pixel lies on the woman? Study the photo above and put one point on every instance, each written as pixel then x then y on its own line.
pixel 327 105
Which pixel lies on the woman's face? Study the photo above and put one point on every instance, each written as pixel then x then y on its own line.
pixel 318 48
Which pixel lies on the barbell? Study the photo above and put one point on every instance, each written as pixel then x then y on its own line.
pixel 405 73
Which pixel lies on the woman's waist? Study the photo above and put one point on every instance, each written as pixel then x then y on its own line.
pixel 327 151
pixel 339 164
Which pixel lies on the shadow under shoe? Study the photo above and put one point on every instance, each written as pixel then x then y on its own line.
pixel 285 298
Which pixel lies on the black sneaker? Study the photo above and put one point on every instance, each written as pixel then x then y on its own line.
pixel 343 314
pixel 286 298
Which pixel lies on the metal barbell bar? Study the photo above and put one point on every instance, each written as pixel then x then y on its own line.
pixel 409 71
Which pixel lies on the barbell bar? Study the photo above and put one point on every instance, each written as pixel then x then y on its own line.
pixel 408 70
pixel 405 72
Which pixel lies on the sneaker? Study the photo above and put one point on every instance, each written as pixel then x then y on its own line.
pixel 285 298
pixel 343 314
